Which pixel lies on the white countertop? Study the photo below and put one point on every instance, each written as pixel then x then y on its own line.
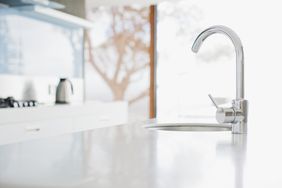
pixel 130 156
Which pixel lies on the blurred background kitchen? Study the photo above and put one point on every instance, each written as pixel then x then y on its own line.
pixel 133 51
pixel 104 52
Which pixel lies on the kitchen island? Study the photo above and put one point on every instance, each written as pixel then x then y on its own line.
pixel 130 156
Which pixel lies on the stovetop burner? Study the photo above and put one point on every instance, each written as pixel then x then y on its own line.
pixel 10 102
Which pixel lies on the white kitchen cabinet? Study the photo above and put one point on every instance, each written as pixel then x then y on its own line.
pixel 39 122
pixel 48 15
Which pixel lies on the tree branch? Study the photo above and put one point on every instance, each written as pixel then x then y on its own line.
pixel 91 59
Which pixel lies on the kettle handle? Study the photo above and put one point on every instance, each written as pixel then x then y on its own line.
pixel 72 90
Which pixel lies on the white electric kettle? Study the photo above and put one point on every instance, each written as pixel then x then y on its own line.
pixel 64 91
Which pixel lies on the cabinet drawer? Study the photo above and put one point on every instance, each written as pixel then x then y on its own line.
pixel 46 128
pixel 30 130
pixel 77 118
pixel 11 133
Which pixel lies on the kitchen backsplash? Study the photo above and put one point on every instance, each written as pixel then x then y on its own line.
pixel 40 88
pixel 35 54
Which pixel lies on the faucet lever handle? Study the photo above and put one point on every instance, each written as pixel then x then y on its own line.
pixel 213 101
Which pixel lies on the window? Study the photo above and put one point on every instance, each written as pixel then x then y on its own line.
pixel 184 79
pixel 118 57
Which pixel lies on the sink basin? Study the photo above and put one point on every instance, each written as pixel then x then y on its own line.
pixel 204 127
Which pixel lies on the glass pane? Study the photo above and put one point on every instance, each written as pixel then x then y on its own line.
pixel 117 55
pixel 35 48
pixel 184 79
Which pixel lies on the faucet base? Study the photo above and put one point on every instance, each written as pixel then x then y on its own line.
pixel 240 126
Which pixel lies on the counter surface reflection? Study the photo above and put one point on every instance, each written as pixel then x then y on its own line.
pixel 130 156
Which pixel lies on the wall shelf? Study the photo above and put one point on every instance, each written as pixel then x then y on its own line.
pixel 48 15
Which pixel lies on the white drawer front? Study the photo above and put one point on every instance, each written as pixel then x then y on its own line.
pixel 94 116
pixel 11 133
pixel 26 131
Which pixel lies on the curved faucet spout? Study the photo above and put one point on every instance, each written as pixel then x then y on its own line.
pixel 239 53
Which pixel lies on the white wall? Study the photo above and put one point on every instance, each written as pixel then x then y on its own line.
pixel 33 56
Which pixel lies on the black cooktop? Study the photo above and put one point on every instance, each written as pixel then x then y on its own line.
pixel 10 102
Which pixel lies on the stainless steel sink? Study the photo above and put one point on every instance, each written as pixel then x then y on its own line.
pixel 204 127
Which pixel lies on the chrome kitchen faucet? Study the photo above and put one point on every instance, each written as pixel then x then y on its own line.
pixel 237 115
